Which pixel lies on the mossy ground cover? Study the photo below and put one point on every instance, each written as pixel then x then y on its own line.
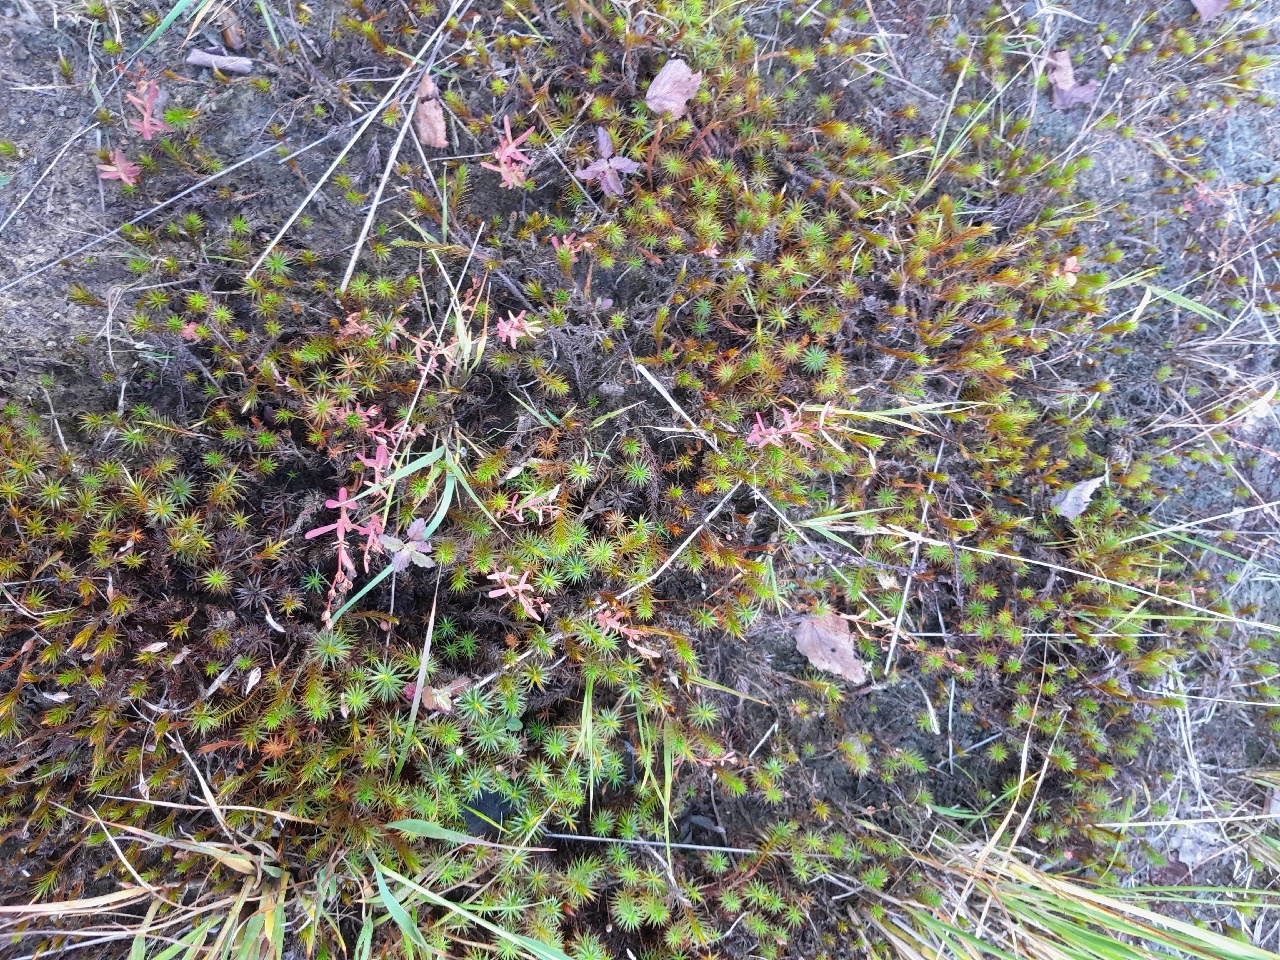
pixel 427 584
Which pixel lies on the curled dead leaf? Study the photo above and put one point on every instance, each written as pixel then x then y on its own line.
pixel 441 698
pixel 232 30
pixel 1067 270
pixel 644 651
pixel 428 114
pixel 1074 500
pixel 1208 9
pixel 827 642
pixel 672 89
pixel 1062 78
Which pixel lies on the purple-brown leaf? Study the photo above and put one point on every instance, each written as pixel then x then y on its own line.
pixel 672 89
pixel 1062 78
pixel 604 143
pixel 608 170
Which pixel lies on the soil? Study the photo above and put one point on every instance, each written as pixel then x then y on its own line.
pixel 58 206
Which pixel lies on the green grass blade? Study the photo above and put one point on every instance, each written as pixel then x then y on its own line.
pixel 429 830
pixel 138 949
pixel 433 831
pixel 194 941
pixel 446 501
pixel 455 470
pixel 382 575
pixel 410 468
pixel 270 22
pixel 250 939
pixel 177 10
pixel 394 908
pixel 1178 300
pixel 529 946
pixel 946 932
pixel 1085 905
pixel 364 943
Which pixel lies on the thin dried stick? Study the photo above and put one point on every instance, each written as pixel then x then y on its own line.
pixel 453 11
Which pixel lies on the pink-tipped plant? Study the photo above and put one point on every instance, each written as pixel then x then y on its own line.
pixel 511 161
pixel 514 328
pixel 793 428
pixel 538 504
pixel 344 578
pixel 149 125
pixel 119 169
pixel 519 588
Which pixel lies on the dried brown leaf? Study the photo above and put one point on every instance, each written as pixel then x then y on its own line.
pixel 672 88
pixel 827 643
pixel 1272 805
pixel 232 29
pixel 428 115
pixel 1208 9
pixel 1062 78
pixel 1074 500
pixel 438 699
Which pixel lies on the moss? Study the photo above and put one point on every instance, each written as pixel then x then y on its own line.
pixel 461 525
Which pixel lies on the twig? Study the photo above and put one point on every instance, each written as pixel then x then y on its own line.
pixel 763 740
pixel 745 851
pixel 199 58
pixel 386 171
pixel 53 416
pixel 454 10
pixel 678 550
